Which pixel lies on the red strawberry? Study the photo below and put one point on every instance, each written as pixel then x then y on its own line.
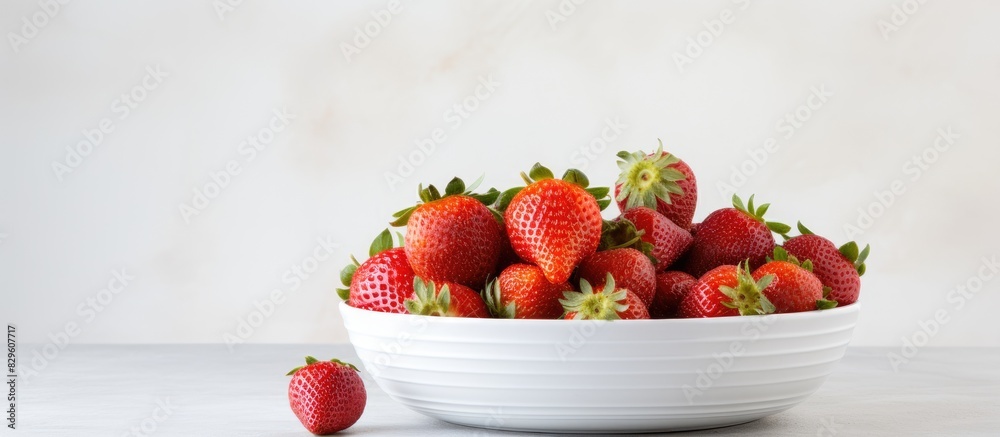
pixel 554 223
pixel 669 241
pixel 382 282
pixel 660 181
pixel 731 235
pixel 522 292
pixel 633 270
pixel 609 303
pixel 794 287
pixel 454 238
pixel 727 291
pixel 670 290
pixel 840 269
pixel 446 300
pixel 326 396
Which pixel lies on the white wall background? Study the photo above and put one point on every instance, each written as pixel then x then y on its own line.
pixel 323 176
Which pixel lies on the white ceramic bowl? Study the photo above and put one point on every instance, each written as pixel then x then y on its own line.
pixel 600 377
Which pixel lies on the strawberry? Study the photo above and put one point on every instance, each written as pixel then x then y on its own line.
pixel 727 291
pixel 445 300
pixel 660 181
pixel 522 292
pixel 731 235
pixel 840 269
pixel 382 282
pixel 670 290
pixel 326 396
pixel 794 287
pixel 554 223
pixel 635 272
pixel 610 303
pixel 455 237
pixel 668 240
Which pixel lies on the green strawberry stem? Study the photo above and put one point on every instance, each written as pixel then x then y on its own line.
pixel 595 306
pixel 747 297
pixel 491 294
pixel 849 250
pixel 455 187
pixel 427 300
pixel 312 360
pixel 645 178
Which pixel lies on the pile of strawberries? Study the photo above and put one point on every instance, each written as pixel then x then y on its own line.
pixel 543 251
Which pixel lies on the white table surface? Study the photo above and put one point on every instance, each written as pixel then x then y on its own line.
pixel 106 390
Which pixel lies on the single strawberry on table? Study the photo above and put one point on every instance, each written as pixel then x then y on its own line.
pixel 838 268
pixel 609 302
pixel 554 223
pixel 382 282
pixel 731 235
pixel 326 396
pixel 794 287
pixel 445 299
pixel 522 292
pixel 671 287
pixel 668 240
pixel 455 237
pixel 660 181
pixel 632 269
pixel 727 290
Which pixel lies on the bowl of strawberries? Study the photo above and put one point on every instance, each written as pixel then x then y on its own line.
pixel 526 309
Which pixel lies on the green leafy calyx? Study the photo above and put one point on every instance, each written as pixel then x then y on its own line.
pixel 428 300
pixel 645 178
pixel 311 360
pixel 494 302
pixel 576 177
pixel 456 187
pixel 747 296
pixel 758 214
pixel 588 305
pixel 622 233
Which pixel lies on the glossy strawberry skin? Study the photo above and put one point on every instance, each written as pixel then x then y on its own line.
pixel 728 237
pixel 465 302
pixel 681 209
pixel 829 265
pixel 793 289
pixel 534 296
pixel 671 287
pixel 705 300
pixel 383 282
pixel 631 269
pixel 327 397
pixel 553 224
pixel 636 309
pixel 669 240
pixel 454 239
